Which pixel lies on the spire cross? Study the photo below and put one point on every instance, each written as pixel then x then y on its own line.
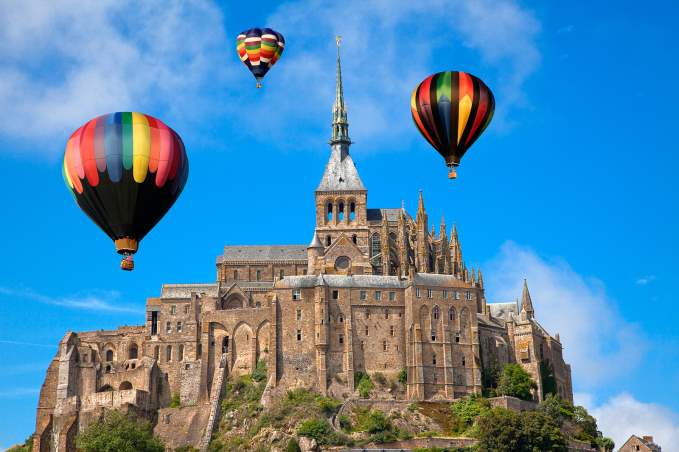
pixel 338 40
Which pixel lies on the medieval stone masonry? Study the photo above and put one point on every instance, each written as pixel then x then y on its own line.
pixel 376 290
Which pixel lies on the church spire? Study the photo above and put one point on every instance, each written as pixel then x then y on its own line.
pixel 526 302
pixel 340 123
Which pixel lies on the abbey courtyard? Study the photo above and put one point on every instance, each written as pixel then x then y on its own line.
pixel 377 290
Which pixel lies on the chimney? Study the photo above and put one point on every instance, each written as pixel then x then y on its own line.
pixel 648 439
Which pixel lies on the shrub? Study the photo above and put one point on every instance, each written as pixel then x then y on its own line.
pixel 469 408
pixel 321 431
pixel 502 430
pixel 175 402
pixel 293 446
pixel 27 446
pixel 345 423
pixel 548 378
pixel 259 372
pixel 186 448
pixel 118 432
pixel 516 382
pixel 403 376
pixel 380 378
pixel 365 385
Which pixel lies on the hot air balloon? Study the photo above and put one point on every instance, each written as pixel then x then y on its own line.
pixel 125 171
pixel 452 109
pixel 259 49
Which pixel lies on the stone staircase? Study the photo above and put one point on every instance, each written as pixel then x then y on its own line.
pixel 215 399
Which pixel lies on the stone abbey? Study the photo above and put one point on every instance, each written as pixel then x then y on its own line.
pixel 375 291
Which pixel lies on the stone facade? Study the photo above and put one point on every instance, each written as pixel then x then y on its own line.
pixel 640 444
pixel 375 291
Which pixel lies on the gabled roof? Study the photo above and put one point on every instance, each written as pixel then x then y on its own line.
pixel 389 214
pixel 340 172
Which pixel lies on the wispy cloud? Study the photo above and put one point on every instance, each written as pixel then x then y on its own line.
pixel 101 301
pixel 28 344
pixel 66 62
pixel 18 392
pixel 566 29
pixel 599 343
pixel 644 280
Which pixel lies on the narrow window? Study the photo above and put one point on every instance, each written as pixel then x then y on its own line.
pixel 340 211
pixel 463 361
pixel 384 346
pixel 296 294
pixel 451 314
pixel 392 296
pixel 362 345
pixel 341 338
pixel 109 355
pixel 457 295
pixel 299 335
pixel 335 294
pixel 281 274
pixel 363 295
pixel 352 212
pixel 225 344
pixel 375 245
pixel 367 314
pixel 173 309
pixel 168 353
pixel 341 318
pixel 299 314
pixel 154 323
pixel 235 274
pixel 386 313
pixel 133 352
pixel 187 308
pixel 179 327
pixel 199 350
pixel 378 295
pixel 417 292
pixel 168 327
pixel 329 211
pixel 156 352
pixel 258 275
pixel 457 338
pixel 445 294
pixel 433 335
pixel 366 330
pixel 433 359
pixel 468 295
pixel 391 330
pixel 436 313
pixel 180 356
pixel 430 293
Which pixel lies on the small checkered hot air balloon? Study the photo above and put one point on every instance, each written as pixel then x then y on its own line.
pixel 125 170
pixel 451 110
pixel 259 49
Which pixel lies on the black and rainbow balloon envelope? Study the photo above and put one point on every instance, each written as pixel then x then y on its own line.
pixel 125 170
pixel 451 110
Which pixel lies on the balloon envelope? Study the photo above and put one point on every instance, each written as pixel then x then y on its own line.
pixel 259 49
pixel 451 110
pixel 125 170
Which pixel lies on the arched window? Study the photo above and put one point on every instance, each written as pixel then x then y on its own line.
pixel 435 313
pixel 354 239
pixel 133 351
pixel 225 344
pixel 156 352
pixel 328 240
pixel 108 368
pixel 375 245
pixel 181 353
pixel 168 353
pixel 329 212
pixel 340 211
pixel 341 318
pixel 109 355
pixel 235 274
pixel 352 211
pixel 451 314
pixel 433 359
pixel 125 385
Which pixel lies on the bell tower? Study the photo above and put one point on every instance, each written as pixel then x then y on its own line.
pixel 341 197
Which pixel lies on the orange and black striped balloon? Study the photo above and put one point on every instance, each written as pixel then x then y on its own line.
pixel 452 109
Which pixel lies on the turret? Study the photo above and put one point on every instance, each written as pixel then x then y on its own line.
pixel 314 250
pixel 421 237
pixel 527 311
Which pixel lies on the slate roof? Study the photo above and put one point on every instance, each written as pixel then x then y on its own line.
pixel 259 253
pixel 503 311
pixel 378 214
pixel 435 279
pixel 340 173
pixel 371 281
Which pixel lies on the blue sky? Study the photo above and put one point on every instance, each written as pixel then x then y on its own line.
pixel 571 186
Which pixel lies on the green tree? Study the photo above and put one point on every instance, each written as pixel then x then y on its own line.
pixel 548 378
pixel 403 376
pixel 502 430
pixel 557 409
pixel 118 432
pixel 469 408
pixel 365 384
pixel 259 373
pixel 540 433
pixel 516 382
pixel 605 444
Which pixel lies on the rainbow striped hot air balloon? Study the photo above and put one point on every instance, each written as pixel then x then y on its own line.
pixel 125 170
pixel 259 49
pixel 451 110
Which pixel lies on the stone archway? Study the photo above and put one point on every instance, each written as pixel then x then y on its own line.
pixel 243 352
pixel 264 342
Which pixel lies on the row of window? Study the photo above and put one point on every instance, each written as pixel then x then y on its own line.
pixel 173 309
pixel 132 353
pixel 340 211
pixel 168 352
pixel 445 294
pixel 168 327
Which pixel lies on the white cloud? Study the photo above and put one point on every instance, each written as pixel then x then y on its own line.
pixel 388 48
pixel 644 280
pixel 18 392
pixel 623 415
pixel 100 301
pixel 598 342
pixel 66 62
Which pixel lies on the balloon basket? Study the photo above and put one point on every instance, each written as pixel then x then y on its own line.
pixel 452 173
pixel 127 264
